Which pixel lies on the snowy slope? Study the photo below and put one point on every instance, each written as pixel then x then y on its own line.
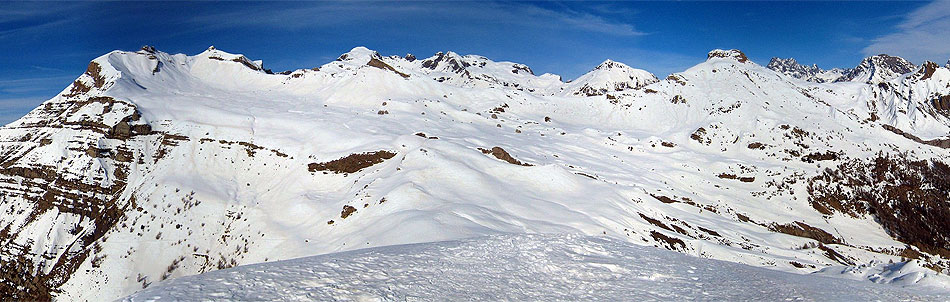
pixel 154 166
pixel 515 268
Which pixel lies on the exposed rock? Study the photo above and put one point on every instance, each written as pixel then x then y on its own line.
pixel 382 65
pixel 728 54
pixel 801 229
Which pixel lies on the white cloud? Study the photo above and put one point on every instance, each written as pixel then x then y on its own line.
pixel 924 34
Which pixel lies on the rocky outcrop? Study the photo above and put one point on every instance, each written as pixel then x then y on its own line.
pixel 734 54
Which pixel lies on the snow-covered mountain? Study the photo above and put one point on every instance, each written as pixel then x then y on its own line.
pixel 811 73
pixel 153 166
pixel 879 68
pixel 607 77
pixel 871 70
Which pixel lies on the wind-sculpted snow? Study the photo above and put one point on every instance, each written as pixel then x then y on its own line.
pixel 515 268
pixel 153 166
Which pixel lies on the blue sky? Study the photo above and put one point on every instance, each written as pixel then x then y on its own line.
pixel 45 45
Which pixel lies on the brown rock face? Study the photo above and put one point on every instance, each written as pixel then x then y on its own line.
pixel 908 198
pixel 927 70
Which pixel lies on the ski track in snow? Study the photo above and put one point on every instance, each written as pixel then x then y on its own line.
pixel 515 268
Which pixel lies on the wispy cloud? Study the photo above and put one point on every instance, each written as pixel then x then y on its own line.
pixel 27 18
pixel 316 15
pixel 922 35
pixel 32 85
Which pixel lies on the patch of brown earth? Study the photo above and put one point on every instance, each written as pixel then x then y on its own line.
pixel 818 156
pixel 733 176
pixel 801 229
pixel 655 222
pixel 678 99
pixel 676 79
pixel 374 62
pixel 699 136
pixel 501 154
pixel 671 242
pixel 347 211
pixel 352 163
pixel 663 199
pixel 942 143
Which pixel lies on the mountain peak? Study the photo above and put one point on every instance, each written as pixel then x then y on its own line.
pixel 359 55
pixel 736 54
pixel 610 76
pixel 450 60
pixel 879 68
pixel 812 73
pixel 610 64
pixel 149 49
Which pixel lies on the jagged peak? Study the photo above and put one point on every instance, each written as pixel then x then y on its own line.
pixel 893 63
pixel 781 61
pixel 786 63
pixel 736 54
pixel 926 70
pixel 886 59
pixel 149 49
pixel 454 61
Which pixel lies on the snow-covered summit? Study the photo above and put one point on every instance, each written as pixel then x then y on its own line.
pixel 879 68
pixel 872 70
pixel 359 55
pixel 607 77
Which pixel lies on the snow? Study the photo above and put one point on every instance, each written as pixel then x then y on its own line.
pixel 598 164
pixel 515 268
